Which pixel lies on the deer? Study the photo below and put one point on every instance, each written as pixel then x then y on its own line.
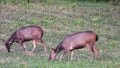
pixel 28 33
pixel 75 41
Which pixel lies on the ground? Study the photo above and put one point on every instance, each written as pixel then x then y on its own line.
pixel 58 19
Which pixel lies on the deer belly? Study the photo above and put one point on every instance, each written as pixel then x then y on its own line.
pixel 79 46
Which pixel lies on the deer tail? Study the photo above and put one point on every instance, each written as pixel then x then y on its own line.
pixel 96 37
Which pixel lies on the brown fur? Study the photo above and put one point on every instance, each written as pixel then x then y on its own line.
pixel 76 41
pixel 24 34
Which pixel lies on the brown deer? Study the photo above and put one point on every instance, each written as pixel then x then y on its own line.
pixel 76 41
pixel 28 33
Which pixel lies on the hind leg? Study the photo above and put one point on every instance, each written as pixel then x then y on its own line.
pixel 42 43
pixel 34 45
pixel 71 55
pixel 91 49
pixel 96 52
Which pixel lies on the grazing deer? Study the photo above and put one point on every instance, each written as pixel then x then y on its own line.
pixel 28 33
pixel 76 41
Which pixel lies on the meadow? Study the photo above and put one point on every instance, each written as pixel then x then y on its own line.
pixel 58 19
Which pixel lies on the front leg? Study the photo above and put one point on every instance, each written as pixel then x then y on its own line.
pixel 23 46
pixel 64 52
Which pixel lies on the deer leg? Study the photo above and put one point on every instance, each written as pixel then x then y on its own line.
pixel 92 52
pixel 91 49
pixel 25 48
pixel 96 52
pixel 42 43
pixel 61 57
pixel 34 45
pixel 72 55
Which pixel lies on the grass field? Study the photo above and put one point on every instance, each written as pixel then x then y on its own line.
pixel 58 19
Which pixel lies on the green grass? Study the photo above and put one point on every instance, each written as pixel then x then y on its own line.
pixel 58 19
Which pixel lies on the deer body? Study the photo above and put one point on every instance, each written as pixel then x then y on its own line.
pixel 76 41
pixel 24 34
